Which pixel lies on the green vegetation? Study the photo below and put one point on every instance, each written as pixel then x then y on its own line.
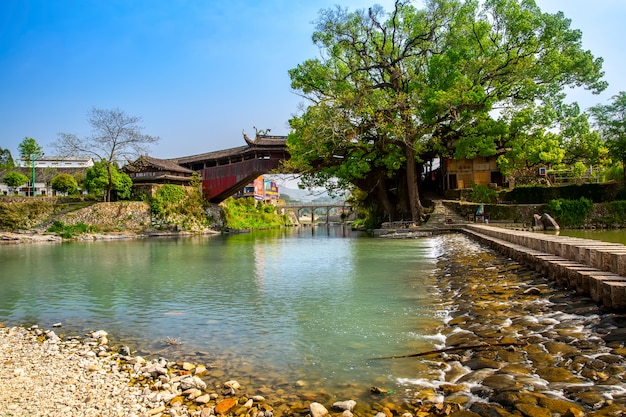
pixel 70 231
pixel 14 179
pixel 167 200
pixel 29 148
pixel 611 214
pixel 97 181
pixel 184 207
pixel 570 213
pixel 64 183
pixel 611 121
pixel 247 213
pixel 391 90
pixel 483 194
pixel 23 215
pixel 6 159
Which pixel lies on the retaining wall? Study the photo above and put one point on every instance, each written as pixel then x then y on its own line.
pixel 591 267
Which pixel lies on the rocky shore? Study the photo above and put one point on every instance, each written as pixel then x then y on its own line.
pixel 515 345
pixel 43 374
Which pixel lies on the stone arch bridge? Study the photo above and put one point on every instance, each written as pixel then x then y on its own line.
pixel 340 207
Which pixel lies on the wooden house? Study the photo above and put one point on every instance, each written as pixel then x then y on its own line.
pixel 463 173
pixel 149 173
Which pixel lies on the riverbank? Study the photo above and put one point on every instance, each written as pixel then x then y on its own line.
pixel 522 346
pixel 43 374
pixel 34 236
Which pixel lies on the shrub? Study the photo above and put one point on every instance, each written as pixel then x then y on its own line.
pixel 247 213
pixel 570 212
pixel 70 231
pixel 64 183
pixel 483 194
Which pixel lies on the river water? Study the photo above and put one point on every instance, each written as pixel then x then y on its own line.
pixel 305 312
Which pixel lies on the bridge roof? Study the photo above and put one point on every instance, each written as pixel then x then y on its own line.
pixel 260 142
pixel 224 153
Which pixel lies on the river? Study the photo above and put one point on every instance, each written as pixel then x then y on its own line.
pixel 305 311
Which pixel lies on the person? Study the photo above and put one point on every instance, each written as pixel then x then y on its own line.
pixel 480 213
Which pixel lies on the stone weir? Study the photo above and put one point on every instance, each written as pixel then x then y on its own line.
pixel 591 267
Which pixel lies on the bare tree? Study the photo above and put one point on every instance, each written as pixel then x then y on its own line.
pixel 115 136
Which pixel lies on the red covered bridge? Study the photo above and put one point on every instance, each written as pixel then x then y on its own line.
pixel 227 171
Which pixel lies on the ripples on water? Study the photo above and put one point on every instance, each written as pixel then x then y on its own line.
pixel 306 310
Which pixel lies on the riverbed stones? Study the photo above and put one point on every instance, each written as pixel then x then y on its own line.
pixel 318 410
pixel 345 405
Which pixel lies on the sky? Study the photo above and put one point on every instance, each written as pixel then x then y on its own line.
pixel 198 72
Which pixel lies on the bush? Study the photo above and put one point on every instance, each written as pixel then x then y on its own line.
pixel 247 213
pixel 483 194
pixel 70 231
pixel 64 183
pixel 572 213
pixel 23 215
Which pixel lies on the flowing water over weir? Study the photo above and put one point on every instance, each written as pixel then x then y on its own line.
pixel 508 341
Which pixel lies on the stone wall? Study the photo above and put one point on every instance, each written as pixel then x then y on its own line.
pixel 107 217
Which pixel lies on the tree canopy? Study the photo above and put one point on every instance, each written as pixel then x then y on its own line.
pixel 453 79
pixel 64 183
pixel 14 179
pixel 116 137
pixel 29 148
pixel 103 178
pixel 6 159
pixel 610 120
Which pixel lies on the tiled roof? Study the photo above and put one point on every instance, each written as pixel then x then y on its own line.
pixel 163 164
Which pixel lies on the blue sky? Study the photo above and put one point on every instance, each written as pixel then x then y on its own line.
pixel 196 71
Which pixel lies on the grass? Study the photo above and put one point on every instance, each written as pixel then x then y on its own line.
pixel 70 231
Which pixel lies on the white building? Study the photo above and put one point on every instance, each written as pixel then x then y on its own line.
pixel 46 168
pixel 56 162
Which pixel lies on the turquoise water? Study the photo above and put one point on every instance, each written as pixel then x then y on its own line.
pixel 613 235
pixel 310 305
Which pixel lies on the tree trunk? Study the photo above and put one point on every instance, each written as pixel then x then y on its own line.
pixel 383 199
pixel 415 206
pixel 107 194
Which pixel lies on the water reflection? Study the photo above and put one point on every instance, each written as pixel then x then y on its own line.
pixel 308 303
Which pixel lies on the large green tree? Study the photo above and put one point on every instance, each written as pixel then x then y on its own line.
pixel 610 120
pixel 116 137
pixel 450 79
pixel 29 148
pixel 105 178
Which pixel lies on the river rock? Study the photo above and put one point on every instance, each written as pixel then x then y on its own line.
pixel 345 405
pixel 555 374
pixel 232 384
pixel 317 410
pixel 563 349
pixel 200 370
pixel 484 409
pixel 203 399
pixel 192 382
pixel 225 405
pixel 501 382
pixel 591 398
pixel 558 405
pixel 530 410
pixel 461 337
pixel 481 363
